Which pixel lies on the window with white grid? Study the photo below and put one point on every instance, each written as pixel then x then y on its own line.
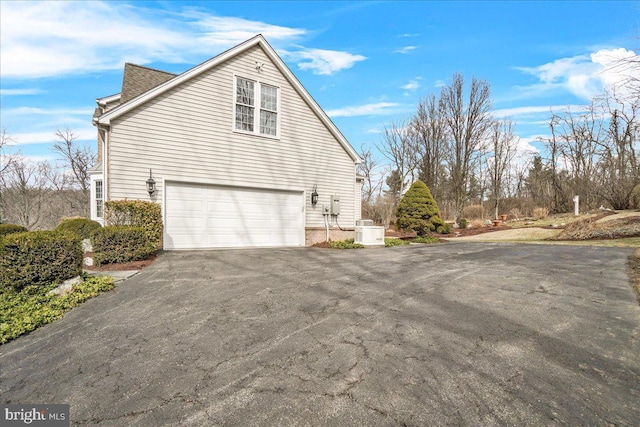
pixel 99 199
pixel 251 95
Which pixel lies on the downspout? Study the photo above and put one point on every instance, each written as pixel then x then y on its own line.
pixel 105 167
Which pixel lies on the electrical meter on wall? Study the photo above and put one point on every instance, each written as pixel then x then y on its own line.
pixel 335 205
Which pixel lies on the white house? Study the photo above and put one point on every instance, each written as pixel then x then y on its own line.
pixel 236 147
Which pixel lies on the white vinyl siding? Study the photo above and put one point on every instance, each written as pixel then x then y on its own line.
pixel 187 134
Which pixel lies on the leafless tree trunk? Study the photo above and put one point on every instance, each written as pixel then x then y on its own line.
pixel 503 143
pixel 467 121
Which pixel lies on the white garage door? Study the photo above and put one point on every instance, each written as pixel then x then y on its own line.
pixel 205 216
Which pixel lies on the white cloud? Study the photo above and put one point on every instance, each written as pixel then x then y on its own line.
pixel 412 85
pixel 525 146
pixel 322 61
pixel 19 92
pixel 27 138
pixel 405 50
pixel 535 110
pixel 409 35
pixel 29 111
pixel 376 109
pixel 439 83
pixel 104 35
pixel 585 76
pixel 373 131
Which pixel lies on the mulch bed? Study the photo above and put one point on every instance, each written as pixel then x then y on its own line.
pixel 134 265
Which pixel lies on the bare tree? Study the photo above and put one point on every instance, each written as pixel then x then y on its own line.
pixel 503 143
pixel 429 133
pixel 398 147
pixel 619 163
pixel 78 159
pixel 369 168
pixel 25 193
pixel 6 161
pixel 467 121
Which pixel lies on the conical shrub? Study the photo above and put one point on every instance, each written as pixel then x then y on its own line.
pixel 418 211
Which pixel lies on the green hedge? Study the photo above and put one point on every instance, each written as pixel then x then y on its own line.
pixel 38 258
pixel 120 244
pixel 83 227
pixel 136 213
pixel 11 228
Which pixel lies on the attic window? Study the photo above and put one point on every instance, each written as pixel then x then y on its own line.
pixel 251 95
pixel 245 104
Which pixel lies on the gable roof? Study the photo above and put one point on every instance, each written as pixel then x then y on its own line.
pixel 138 80
pixel 259 40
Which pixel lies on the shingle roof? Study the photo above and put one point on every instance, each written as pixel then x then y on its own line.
pixel 138 80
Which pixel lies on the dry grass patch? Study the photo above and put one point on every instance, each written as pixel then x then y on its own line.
pixel 591 228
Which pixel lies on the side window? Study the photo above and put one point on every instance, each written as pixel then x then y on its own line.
pixel 245 104
pixel 268 110
pixel 251 95
pixel 99 199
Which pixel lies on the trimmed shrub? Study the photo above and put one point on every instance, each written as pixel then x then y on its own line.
pixel 419 212
pixel 38 258
pixel 83 227
pixel 11 228
pixel 136 213
pixel 462 223
pixel 120 244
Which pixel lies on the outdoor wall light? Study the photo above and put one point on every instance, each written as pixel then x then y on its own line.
pixel 314 196
pixel 151 184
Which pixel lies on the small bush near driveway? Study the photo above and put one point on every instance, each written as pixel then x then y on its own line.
pixel 24 311
pixel 426 239
pixel 38 258
pixel 137 213
pixel 345 244
pixel 120 244
pixel 389 242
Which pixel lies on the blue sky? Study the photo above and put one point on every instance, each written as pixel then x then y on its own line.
pixel 366 63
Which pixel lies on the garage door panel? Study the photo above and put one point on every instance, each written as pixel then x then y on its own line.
pixel 200 216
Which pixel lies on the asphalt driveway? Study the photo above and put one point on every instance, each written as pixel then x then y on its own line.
pixel 450 334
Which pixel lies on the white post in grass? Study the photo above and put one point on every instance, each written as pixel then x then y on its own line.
pixel 576 205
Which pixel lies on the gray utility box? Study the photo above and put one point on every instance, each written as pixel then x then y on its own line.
pixel 369 235
pixel 364 223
